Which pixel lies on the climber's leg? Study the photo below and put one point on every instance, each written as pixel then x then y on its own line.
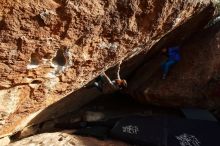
pixel 166 67
pixel 95 85
pixel 98 86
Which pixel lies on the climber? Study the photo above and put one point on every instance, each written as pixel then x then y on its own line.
pixel 104 84
pixel 173 57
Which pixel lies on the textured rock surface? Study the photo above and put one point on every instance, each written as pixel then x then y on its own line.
pixel 194 81
pixel 5 141
pixel 63 138
pixel 51 48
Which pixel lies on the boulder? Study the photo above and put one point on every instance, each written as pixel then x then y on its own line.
pixel 52 48
pixel 193 82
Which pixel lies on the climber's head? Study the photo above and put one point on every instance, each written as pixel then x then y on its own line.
pixel 124 83
pixel 121 83
pixel 164 50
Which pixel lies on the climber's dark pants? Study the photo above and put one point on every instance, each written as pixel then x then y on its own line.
pixel 98 85
pixel 167 65
pixel 99 81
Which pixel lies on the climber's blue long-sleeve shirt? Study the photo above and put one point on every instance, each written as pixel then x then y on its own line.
pixel 173 53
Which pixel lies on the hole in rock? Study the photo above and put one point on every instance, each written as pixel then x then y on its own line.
pixel 36 82
pixel 3 24
pixel 60 59
pixel 35 59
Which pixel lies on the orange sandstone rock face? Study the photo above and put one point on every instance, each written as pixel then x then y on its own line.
pixel 52 48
